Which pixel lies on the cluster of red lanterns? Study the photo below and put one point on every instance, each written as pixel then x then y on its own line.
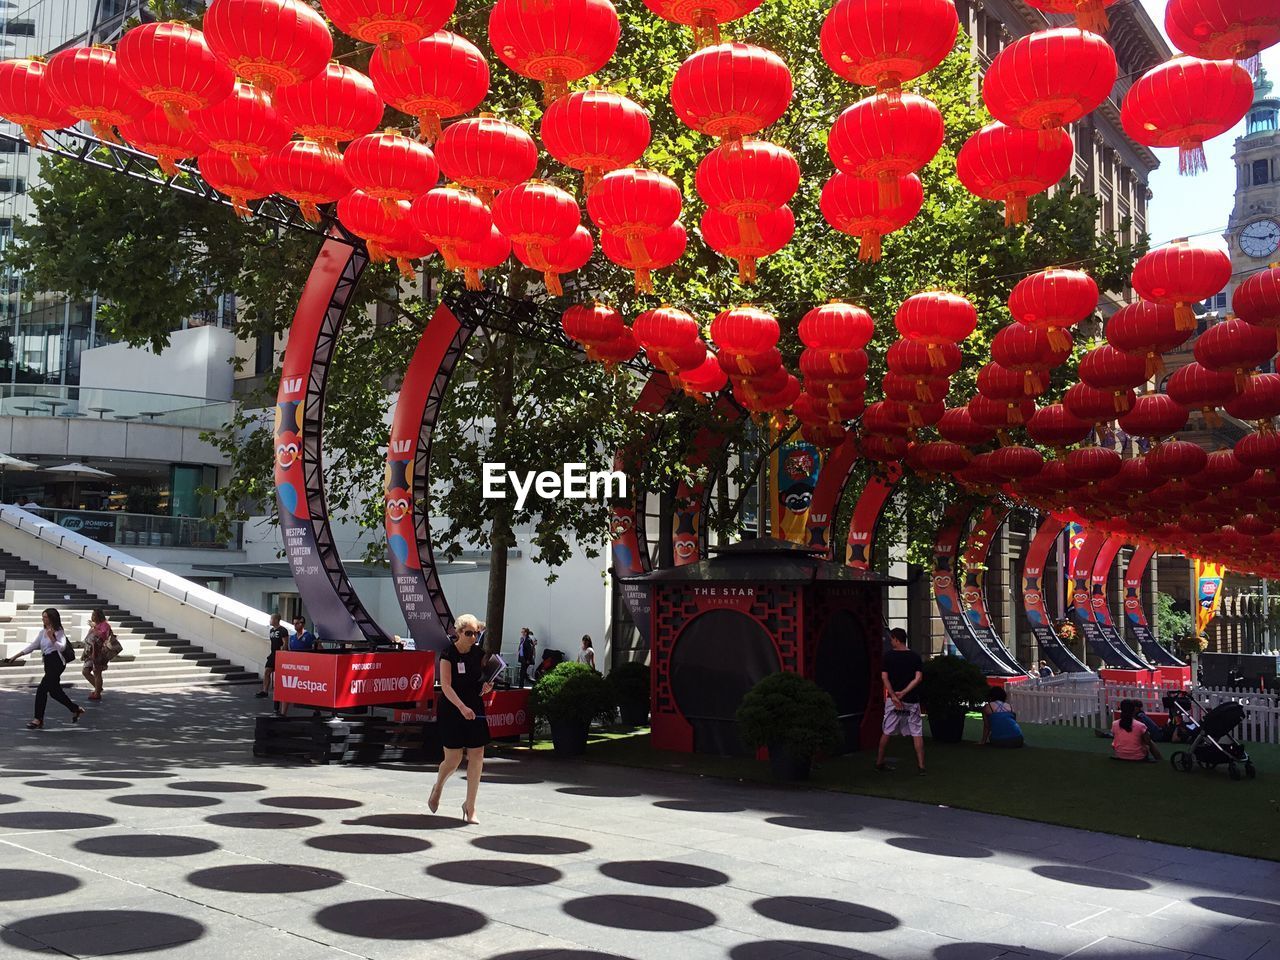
pixel 834 367
pixel 747 339
pixel 601 331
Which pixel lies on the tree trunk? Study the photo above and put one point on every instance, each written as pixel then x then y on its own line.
pixel 501 537
pixel 666 527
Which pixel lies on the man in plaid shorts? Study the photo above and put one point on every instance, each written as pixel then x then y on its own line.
pixel 901 675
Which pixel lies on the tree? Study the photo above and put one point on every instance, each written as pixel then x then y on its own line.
pixel 534 405
pixel 1172 625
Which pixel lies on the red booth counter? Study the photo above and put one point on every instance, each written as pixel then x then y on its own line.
pixel 506 710
pixel 341 681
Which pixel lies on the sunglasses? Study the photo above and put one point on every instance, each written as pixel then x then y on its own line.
pixel 469 633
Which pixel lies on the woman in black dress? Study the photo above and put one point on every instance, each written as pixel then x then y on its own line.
pixel 460 715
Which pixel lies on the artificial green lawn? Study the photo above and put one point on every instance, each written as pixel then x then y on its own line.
pixel 1063 776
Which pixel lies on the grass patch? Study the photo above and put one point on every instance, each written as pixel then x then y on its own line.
pixel 1064 776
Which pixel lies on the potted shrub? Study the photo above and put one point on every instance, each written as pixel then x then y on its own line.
pixel 569 698
pixel 794 718
pixel 630 683
pixel 951 685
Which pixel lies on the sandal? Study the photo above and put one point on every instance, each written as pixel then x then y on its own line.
pixel 35 724
pixel 95 696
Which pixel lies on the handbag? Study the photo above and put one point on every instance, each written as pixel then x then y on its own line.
pixel 68 652
pixel 113 647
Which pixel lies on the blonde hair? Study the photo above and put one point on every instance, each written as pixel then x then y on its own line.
pixel 465 620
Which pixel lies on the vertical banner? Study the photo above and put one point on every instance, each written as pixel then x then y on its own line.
pixel 1047 639
pixel 1208 593
pixel 1075 540
pixel 1135 616
pixel 837 467
pixel 793 477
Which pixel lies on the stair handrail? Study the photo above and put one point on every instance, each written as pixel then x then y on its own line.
pixel 211 602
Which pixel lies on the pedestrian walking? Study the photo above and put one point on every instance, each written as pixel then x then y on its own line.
pixel 460 715
pixel 57 652
pixel 901 675
pixel 277 636
pixel 526 655
pixel 586 654
pixel 100 645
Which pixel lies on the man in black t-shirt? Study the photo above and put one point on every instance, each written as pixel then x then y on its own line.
pixel 901 675
pixel 276 636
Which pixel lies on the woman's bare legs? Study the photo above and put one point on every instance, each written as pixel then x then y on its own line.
pixel 475 767
pixel 452 759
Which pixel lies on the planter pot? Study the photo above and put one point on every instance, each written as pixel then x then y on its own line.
pixel 634 714
pixel 947 726
pixel 569 737
pixel 787 765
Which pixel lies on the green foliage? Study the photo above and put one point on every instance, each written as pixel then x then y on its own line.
pixel 787 709
pixel 572 691
pixel 630 682
pixel 950 684
pixel 1172 625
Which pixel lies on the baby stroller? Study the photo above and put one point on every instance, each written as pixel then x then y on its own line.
pixel 1213 743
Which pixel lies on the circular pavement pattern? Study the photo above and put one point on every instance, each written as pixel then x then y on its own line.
pixel 376 844
pixel 400 919
pixel 157 845
pixel 34 884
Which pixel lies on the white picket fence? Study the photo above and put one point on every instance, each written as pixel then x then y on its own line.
pixel 1093 703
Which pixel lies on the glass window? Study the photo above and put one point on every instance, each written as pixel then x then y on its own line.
pixel 1261 172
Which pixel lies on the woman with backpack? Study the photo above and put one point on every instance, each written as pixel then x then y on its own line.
pixel 100 645
pixel 57 652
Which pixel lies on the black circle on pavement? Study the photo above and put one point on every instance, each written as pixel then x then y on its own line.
pixel 700 806
pixel 34 884
pixel 88 783
pixel 628 912
pixel 772 949
pixel 400 919
pixel 531 844
pixel 265 878
pixel 558 955
pixel 606 792
pixel 406 821
pixel 1241 907
pixel 157 845
pixel 310 803
pixel 370 843
pixel 822 913
pixel 215 786
pixel 820 824
pixel 263 820
pixel 82 932
pixel 663 873
pixel 53 820
pixel 1090 877
pixel 172 800
pixel 6 798
pixel 495 873
pixel 936 847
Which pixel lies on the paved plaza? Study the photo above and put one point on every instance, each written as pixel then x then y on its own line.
pixel 151 829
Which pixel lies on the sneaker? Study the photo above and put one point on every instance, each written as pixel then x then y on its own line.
pixel 261 694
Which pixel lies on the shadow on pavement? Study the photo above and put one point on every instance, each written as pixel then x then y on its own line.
pixel 627 912
pixel 381 844
pixel 663 873
pixel 530 843
pixel 1089 877
pixel 265 878
pixel 158 845
pixel 400 919
pixel 821 913
pixel 34 884
pixel 495 873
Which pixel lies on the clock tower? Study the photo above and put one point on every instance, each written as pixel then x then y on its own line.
pixel 1253 231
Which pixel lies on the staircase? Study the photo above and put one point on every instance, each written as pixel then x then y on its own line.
pixel 164 660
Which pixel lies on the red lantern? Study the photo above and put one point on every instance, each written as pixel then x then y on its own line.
pixel 244 126
pixel 852 205
pixel 999 414
pixel 450 217
pixel 1181 274
pixel 747 179
pixel 1199 388
pixel 683 359
pixel 232 180
pixel 26 100
pixel 154 134
pixel 1096 406
pixel 442 75
pixel 836 326
pixel 382 224
pixel 1107 368
pixel 88 82
pixel 1090 15
pixel 749 364
pixel 883 448
pixel 703 16
pixel 1030 352
pixel 270 43
pixel 488 155
pixel 613 352
pixel 1092 464
pixel 886 417
pixel 1257 299
pixel 912 390
pixel 1053 300
pixel 389 23
pixel 406 245
pixel 554 41
pixel 1222 29
pixel 592 324
pixel 769 234
pixel 1176 459
pixel 1154 415
pixel 1056 426
pixel 307 173
pixel 634 204
pixel 731 90
pixel 1001 383
pixel 1015 462
pixel 566 256
pixel 1258 401
pixel 938 457
pixel 881 139
pixel 1183 102
pixel 978 474
pixel 666 329
pixel 824 435
pixel 390 166
pixel 336 105
pixel 1224 469
pixel 843 367
pixel 958 426
pixel 936 317
pixel 1146 330
pixel 171 65
pixel 744 330
pixel 536 214
pixel 486 254
pixel 1233 346
pixel 1135 477
pixel 1049 79
pixel 886 43
pixel 916 359
pixel 658 252
pixel 1009 164
pixel 596 132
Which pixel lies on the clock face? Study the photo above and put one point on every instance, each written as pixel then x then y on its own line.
pixel 1260 238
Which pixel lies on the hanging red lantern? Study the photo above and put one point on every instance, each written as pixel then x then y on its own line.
pixel 680 360
pixel 914 390
pixel 1001 383
pixel 770 233
pixel 1030 352
pixel 595 131
pixel 613 352
pixel 390 166
pixel 405 245
pixel 1258 401
pixel 1135 477
pixel 836 326
pixel 87 81
pixel 381 224
pixel 852 205
pixel 999 414
pixel 1145 329
pixel 1222 29
pixel 634 204
pixel 1092 464
pixel 439 76
pixel 1109 369
pixel 1096 406
pixel 1224 469
pixel 556 259
pixel 1154 415
pixel 936 317
pixel 744 330
pixel 1015 462
pixel 731 90
pixel 554 42
pixel 593 323
pixel 887 417
pixel 154 134
pixel 487 155
pixel 941 457
pixel 1252 525
pixel 232 180
pixel 1176 459
pixel 837 366
pixel 388 23
pixel 978 475
pixel 336 105
pixel 243 126
pixel 666 329
pixel 747 179
pixel 1233 346
pixel 1199 388
pixel 825 436
pixel 487 253
pixel 916 359
pixel 1257 299
pixel 536 214
pixel 704 17
pixel 1009 164
pixel 308 173
pixel 749 364
pixel 1056 426
pixel 1054 300
pixel 883 448
pixel 171 65
pixel 1180 274
pixel 26 100
pixel 882 139
pixel 658 252
pixel 1184 102
pixel 886 43
pixel 450 217
pixel 958 426
pixel 270 43
pixel 1090 15
pixel 1049 78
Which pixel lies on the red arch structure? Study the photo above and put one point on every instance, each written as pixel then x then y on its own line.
pixel 867 513
pixel 1033 604
pixel 1135 616
pixel 1120 657
pixel 1098 600
pixel 977 552
pixel 832 480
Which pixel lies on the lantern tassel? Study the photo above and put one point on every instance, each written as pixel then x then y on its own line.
pixel 394 55
pixel 836 359
pixel 429 128
pixel 171 169
pixel 1031 384
pixel 644 280
pixel 472 276
pixel 705 30
pixel 1058 338
pixel 936 359
pixel 1015 210
pixel 1191 159
pixel 104 131
pixel 922 391
pixel 406 268
pixel 377 253
pixel 1003 437
pixel 450 255
pixel 34 135
pixel 636 249
pixel 553 88
pixel 890 192
pixel 1242 380
pixel 1046 138
pixel 310 212
pixel 552 280
pixel 242 165
pixel 590 177
pixel 1184 318
pixel 241 208
pixel 1155 365
pixel 749 231
pixel 1092 16
pixel 890 85
pixel 747 270
pixel 869 249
